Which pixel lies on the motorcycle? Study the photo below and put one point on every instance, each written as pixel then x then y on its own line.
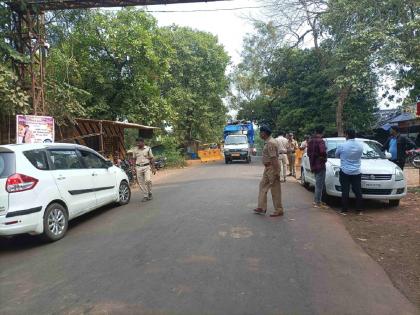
pixel 413 157
pixel 160 163
pixel 128 168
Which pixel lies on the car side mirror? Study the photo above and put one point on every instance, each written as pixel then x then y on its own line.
pixel 388 155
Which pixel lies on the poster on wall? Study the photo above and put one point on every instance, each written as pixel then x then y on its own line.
pixel 34 129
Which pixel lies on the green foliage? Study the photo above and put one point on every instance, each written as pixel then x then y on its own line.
pixel 172 151
pixel 134 70
pixel 196 84
pixel 13 99
pixel 299 94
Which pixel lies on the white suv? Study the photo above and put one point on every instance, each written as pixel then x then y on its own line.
pixel 43 186
pixel 381 179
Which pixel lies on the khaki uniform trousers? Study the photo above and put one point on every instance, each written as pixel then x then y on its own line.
pixel 271 182
pixel 292 163
pixel 144 176
pixel 283 165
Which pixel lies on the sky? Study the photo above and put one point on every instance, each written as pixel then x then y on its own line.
pixel 229 26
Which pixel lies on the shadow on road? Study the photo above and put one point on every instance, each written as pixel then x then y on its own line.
pixel 26 241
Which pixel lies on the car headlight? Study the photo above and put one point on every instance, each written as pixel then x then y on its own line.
pixel 399 174
pixel 336 171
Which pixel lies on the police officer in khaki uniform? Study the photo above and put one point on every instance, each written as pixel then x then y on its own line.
pixel 271 175
pixel 144 166
pixel 291 154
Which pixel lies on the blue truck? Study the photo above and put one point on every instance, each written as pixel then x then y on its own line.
pixel 238 141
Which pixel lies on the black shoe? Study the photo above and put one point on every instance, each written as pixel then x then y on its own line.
pixel 150 196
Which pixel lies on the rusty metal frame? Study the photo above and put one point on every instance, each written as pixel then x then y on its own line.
pixel 29 40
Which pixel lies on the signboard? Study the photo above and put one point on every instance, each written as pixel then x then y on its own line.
pixel 34 129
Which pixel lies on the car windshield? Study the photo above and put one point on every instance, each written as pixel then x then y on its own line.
pixel 371 149
pixel 236 140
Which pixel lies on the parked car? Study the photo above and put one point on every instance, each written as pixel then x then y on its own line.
pixel 43 186
pixel 237 148
pixel 381 178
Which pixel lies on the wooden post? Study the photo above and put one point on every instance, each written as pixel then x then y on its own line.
pixel 101 137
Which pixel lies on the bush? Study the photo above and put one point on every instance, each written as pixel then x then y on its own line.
pixel 172 152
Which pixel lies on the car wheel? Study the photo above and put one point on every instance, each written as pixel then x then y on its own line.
pixel 303 179
pixel 124 193
pixel 394 203
pixel 56 222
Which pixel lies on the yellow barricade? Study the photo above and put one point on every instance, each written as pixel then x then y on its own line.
pixel 210 155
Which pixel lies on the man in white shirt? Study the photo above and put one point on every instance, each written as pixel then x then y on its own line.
pixel 282 143
pixel 350 154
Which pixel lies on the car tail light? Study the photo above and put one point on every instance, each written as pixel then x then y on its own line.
pixel 20 182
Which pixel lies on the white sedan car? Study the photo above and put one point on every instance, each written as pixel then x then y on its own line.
pixel 381 179
pixel 43 186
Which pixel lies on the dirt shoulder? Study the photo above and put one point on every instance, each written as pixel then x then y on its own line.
pixel 391 236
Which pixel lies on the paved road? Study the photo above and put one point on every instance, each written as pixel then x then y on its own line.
pixel 197 249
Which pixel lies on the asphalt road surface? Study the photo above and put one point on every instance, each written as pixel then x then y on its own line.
pixel 198 249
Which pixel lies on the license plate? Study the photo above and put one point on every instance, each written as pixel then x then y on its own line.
pixel 236 154
pixel 372 185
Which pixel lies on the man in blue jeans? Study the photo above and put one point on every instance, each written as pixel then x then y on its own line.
pixel 350 154
pixel 317 154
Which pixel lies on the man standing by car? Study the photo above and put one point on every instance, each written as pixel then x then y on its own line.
pixel 317 154
pixel 271 175
pixel 282 143
pixel 350 155
pixel 144 166
pixel 397 145
pixel 291 154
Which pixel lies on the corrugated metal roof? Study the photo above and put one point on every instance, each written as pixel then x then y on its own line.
pixel 118 123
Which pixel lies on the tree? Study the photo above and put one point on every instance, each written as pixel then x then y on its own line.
pixel 297 90
pixel 196 84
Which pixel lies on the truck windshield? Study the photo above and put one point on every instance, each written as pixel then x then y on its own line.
pixel 236 140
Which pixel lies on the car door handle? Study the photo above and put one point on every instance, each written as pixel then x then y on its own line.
pixel 94 174
pixel 60 177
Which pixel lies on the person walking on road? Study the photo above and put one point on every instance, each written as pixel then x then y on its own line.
pixel 317 158
pixel 350 155
pixel 282 143
pixel 271 176
pixel 397 145
pixel 291 154
pixel 144 166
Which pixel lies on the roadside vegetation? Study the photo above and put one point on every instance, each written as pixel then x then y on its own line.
pixel 322 62
pixel 120 65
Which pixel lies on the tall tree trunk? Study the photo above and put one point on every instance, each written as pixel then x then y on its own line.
pixel 342 98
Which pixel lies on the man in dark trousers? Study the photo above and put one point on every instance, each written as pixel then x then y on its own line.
pixel 317 158
pixel 350 155
pixel 397 145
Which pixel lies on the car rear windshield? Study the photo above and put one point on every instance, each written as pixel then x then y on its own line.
pixel 7 164
pixel 38 158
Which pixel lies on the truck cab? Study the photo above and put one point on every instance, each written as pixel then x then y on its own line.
pixel 237 148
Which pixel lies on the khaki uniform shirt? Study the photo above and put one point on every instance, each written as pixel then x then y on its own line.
pixel 270 150
pixel 142 156
pixel 282 143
